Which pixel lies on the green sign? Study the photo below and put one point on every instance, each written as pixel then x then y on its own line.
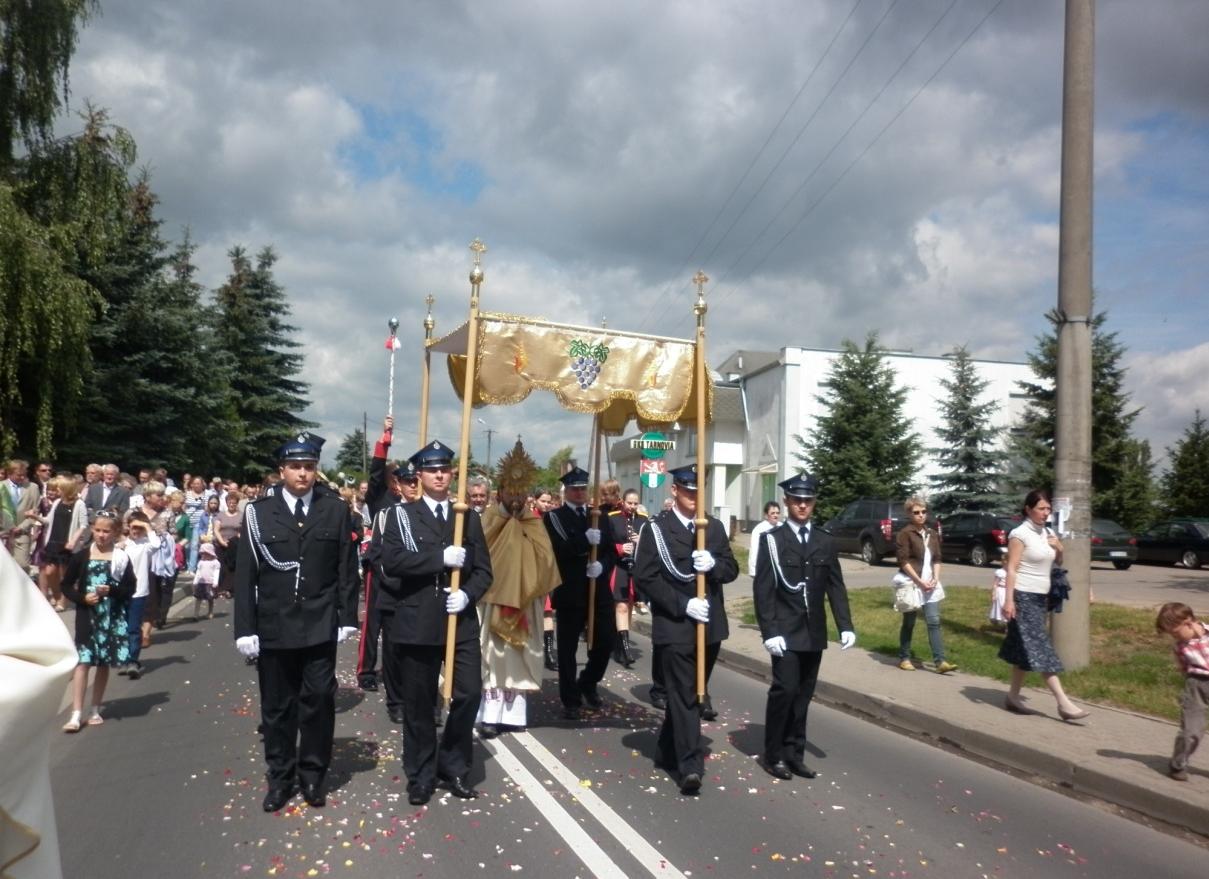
pixel 653 444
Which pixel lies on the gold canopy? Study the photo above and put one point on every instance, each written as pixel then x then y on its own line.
pixel 616 375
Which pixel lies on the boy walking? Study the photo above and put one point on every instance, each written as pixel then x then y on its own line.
pixel 1192 655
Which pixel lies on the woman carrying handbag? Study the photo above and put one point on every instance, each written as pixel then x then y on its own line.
pixel 918 552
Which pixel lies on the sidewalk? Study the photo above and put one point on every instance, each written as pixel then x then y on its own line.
pixel 1114 755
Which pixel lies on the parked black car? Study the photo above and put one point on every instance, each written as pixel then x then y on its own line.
pixel 1176 540
pixel 1111 542
pixel 867 527
pixel 978 538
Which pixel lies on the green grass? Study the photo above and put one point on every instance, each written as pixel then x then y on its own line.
pixel 1131 665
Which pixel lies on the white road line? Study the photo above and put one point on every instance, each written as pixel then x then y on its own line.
pixel 645 853
pixel 560 819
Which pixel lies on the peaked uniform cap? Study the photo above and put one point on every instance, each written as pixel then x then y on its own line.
pixel 574 478
pixel 435 454
pixel 686 476
pixel 803 485
pixel 407 470
pixel 304 447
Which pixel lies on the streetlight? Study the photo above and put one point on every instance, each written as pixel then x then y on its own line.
pixel 489 431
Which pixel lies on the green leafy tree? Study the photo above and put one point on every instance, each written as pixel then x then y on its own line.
pixel 863 444
pixel 970 463
pixel 353 453
pixel 1112 419
pixel 1136 497
pixel 547 477
pixel 252 329
pixel 1186 483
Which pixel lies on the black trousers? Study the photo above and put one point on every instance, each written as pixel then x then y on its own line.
pixel 680 736
pixel 794 676
pixel 569 622
pixel 391 676
pixel 424 760
pixel 298 711
pixel 658 688
pixel 371 628
pixel 163 589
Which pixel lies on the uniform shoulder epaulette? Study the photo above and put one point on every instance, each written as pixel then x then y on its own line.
pixel 614 512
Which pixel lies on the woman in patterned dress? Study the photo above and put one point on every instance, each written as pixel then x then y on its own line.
pixel 100 581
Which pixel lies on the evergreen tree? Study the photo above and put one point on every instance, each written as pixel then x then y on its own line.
pixel 1033 440
pixel 252 329
pixel 547 477
pixel 354 452
pixel 970 463
pixel 1186 484
pixel 863 444
pixel 1134 497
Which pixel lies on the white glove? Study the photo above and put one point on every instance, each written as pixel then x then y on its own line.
pixel 698 609
pixel 775 645
pixel 703 561
pixel 593 570
pixel 593 535
pixel 455 556
pixel 344 633
pixel 847 639
pixel 456 602
pixel 248 646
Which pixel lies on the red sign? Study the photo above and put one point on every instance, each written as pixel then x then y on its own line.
pixel 652 465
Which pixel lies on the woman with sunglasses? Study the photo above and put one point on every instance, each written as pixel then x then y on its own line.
pixel 918 552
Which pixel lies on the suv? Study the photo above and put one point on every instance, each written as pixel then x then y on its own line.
pixel 979 538
pixel 867 527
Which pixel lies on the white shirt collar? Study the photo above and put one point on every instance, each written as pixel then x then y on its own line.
pixel 290 500
pixel 433 504
pixel 683 521
pixel 797 526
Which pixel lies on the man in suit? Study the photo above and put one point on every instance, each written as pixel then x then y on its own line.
pixel 796 566
pixel 295 599
pixel 667 563
pixel 624 524
pixel 572 537
pixel 417 557
pixel 106 494
pixel 24 496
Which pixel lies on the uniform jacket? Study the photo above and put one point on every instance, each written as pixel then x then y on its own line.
pixel 622 574
pixel 294 586
pixel 669 581
pixel 412 561
pixel 568 536
pixel 778 587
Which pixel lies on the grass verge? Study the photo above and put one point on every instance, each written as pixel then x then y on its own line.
pixel 1131 665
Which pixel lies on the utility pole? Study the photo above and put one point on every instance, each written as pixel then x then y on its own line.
pixel 1072 441
pixel 364 442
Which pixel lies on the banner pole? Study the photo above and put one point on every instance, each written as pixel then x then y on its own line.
pixel 460 506
pixel 425 373
pixel 594 551
pixel 700 522
pixel 391 343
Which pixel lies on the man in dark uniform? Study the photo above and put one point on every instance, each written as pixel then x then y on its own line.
pixel 295 598
pixel 417 557
pixel 666 564
pixel 380 600
pixel 796 566
pixel 380 493
pixel 572 537
pixel 624 524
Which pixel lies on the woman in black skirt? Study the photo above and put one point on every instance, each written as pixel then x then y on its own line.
pixel 1033 549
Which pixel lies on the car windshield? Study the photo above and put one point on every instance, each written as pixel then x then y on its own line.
pixel 1202 528
pixel 1106 527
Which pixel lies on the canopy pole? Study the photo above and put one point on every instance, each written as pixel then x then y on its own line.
pixel 391 343
pixel 425 372
pixel 460 506
pixel 594 551
pixel 700 522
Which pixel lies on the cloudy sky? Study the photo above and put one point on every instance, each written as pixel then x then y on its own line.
pixel 835 167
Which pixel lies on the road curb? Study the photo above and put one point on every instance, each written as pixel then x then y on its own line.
pixel 1025 757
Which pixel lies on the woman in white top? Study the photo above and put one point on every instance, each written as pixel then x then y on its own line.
pixel 772 518
pixel 1032 551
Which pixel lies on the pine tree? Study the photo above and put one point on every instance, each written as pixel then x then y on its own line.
pixel 1032 443
pixel 970 463
pixel 252 330
pixel 354 452
pixel 1186 484
pixel 1134 497
pixel 863 445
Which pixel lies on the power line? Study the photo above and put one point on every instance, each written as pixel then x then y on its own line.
pixel 868 147
pixel 751 165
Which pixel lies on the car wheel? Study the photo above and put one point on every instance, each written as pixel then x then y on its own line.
pixel 978 556
pixel 868 553
pixel 1122 566
pixel 1190 559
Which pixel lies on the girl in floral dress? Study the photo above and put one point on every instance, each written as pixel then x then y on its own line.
pixel 99 581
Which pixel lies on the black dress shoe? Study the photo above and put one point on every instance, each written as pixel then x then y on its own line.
pixel 368 684
pixel 777 769
pixel 591 697
pixel 690 785
pixel 488 730
pixel 797 767
pixel 278 796
pixel 419 795
pixel 658 700
pixel 395 715
pixel 460 789
pixel 570 712
pixel 313 794
pixel 707 710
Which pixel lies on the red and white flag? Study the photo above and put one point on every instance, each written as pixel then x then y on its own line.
pixel 393 344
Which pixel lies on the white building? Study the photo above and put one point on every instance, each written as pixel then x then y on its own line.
pixel 764 400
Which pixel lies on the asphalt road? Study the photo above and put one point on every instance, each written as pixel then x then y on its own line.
pixel 171 785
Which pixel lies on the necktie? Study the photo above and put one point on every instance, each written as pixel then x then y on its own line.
pixel 583 514
pixel 299 512
pixel 692 528
pixel 441 513
pixel 804 533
